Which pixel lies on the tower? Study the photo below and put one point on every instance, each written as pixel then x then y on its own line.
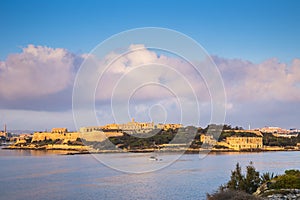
pixel 4 131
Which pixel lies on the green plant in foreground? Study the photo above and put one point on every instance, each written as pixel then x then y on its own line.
pixel 289 180
pixel 242 186
pixel 248 183
pixel 266 177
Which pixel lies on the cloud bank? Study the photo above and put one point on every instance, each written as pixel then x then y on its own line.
pixel 266 81
pixel 41 79
pixel 36 71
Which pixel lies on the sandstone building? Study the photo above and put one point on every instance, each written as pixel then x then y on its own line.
pixel 56 134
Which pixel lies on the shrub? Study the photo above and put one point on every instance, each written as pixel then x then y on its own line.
pixel 290 180
pixel 248 183
pixel 266 177
pixel 232 195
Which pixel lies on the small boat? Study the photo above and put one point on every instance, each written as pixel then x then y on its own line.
pixel 153 158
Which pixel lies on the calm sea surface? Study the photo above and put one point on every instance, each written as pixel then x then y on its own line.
pixel 41 175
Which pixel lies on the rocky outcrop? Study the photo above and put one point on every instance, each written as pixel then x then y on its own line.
pixel 281 187
pixel 282 194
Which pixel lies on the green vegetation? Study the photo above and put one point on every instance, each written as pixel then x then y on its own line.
pixel 271 140
pixel 232 133
pixel 57 141
pixel 266 177
pixel 78 142
pixel 45 142
pixel 131 142
pixel 159 137
pixel 196 144
pixel 104 145
pixel 248 183
pixel 220 147
pixel 289 180
pixel 214 130
pixel 221 127
pixel 242 186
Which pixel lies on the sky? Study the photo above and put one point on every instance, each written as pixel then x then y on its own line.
pixel 255 45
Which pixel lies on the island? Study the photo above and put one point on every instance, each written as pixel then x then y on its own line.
pixel 148 137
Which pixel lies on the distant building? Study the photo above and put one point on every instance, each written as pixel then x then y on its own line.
pixel 272 129
pixel 97 133
pixel 235 142
pixel 168 126
pixel 294 130
pixel 110 127
pixel 130 127
pixel 285 135
pixel 280 132
pixel 208 139
pixel 100 133
pixel 139 127
pixel 239 143
pixel 88 129
pixel 4 132
pixel 59 130
pixel 56 134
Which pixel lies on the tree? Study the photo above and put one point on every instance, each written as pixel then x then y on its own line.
pixel 252 180
pixel 240 186
pixel 248 183
pixel 236 179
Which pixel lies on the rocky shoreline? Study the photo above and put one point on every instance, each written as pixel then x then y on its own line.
pixel 283 194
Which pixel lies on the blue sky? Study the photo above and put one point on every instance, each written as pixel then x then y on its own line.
pixel 251 30
pixel 255 44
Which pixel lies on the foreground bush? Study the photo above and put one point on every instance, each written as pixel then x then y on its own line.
pixel 252 186
pixel 232 195
pixel 247 183
pixel 289 180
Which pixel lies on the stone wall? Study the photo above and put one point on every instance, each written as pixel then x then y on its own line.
pixel 42 136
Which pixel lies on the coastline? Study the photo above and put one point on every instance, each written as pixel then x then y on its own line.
pixel 76 149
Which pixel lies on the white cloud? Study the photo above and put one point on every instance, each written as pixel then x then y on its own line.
pixel 266 81
pixel 263 94
pixel 146 78
pixel 138 66
pixel 36 71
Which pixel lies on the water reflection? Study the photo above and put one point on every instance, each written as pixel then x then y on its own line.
pixel 44 175
pixel 23 152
